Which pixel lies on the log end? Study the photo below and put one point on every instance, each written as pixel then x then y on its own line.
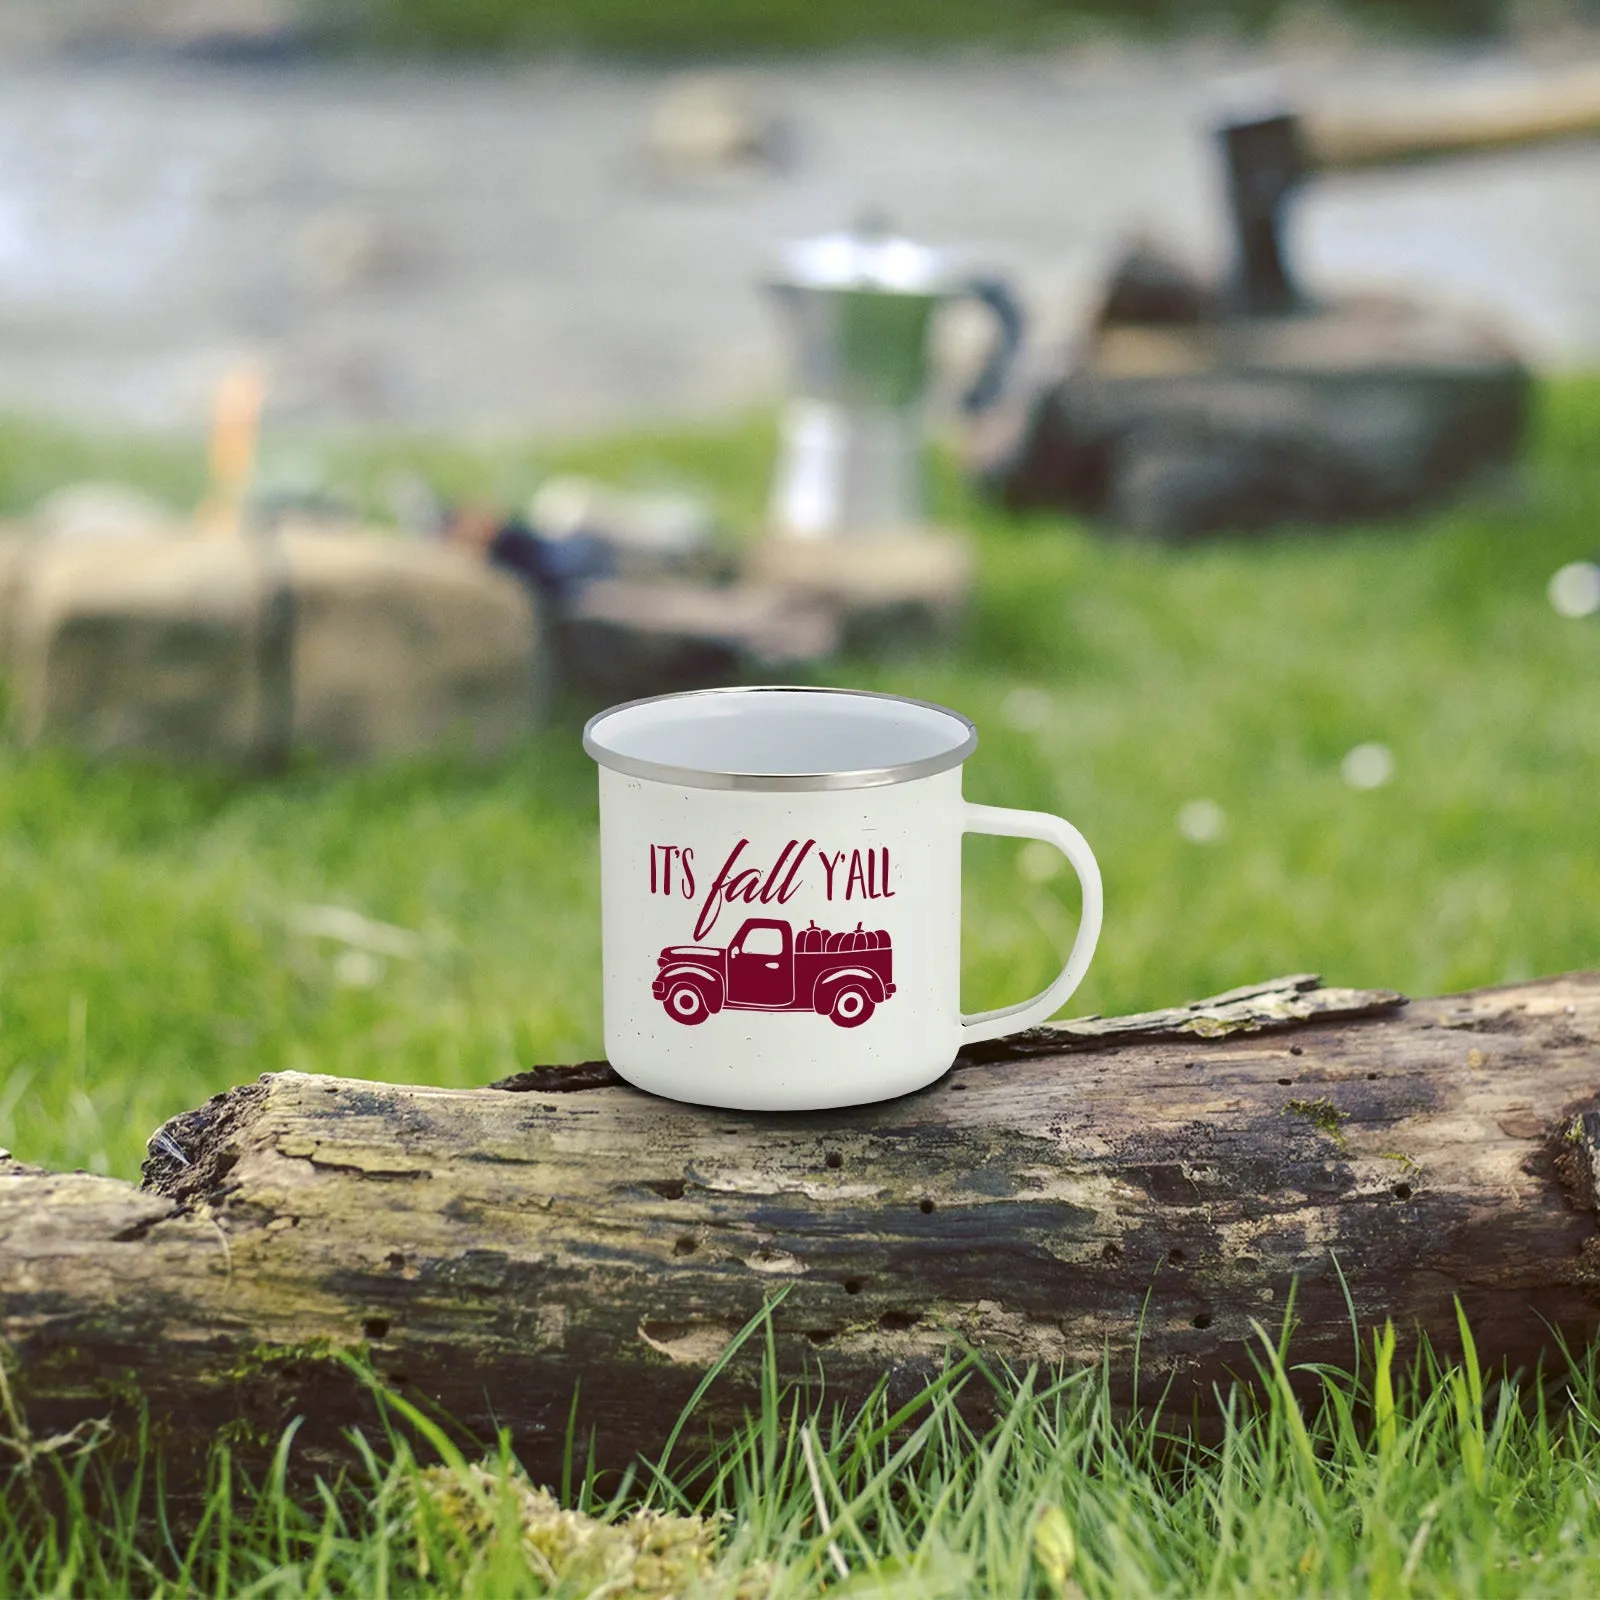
pixel 192 1153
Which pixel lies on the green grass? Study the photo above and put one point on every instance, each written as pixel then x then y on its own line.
pixel 723 27
pixel 1394 1482
pixel 147 954
pixel 148 958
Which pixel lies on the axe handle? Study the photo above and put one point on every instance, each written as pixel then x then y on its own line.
pixel 1492 117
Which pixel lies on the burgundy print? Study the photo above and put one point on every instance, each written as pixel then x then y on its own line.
pixel 770 967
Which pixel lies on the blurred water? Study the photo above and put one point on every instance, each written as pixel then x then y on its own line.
pixel 491 249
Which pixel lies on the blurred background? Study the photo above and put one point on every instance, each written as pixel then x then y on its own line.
pixel 1291 606
pixel 512 215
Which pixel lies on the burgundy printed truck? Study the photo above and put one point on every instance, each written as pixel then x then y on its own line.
pixel 770 967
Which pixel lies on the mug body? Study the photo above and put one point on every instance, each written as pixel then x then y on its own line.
pixel 783 947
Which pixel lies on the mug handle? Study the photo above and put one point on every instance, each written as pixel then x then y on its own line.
pixel 1072 844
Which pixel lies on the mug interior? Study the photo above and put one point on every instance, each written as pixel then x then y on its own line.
pixel 780 737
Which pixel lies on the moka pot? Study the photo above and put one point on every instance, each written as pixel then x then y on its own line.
pixel 860 307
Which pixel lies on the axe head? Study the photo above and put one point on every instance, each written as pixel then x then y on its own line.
pixel 1265 157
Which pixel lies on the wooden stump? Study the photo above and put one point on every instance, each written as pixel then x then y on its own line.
pixel 1159 1182
pixel 624 638
pixel 1362 410
pixel 351 646
pixel 890 589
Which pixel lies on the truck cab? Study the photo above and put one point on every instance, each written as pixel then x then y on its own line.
pixel 761 965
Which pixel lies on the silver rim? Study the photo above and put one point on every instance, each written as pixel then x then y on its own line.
pixel 783 782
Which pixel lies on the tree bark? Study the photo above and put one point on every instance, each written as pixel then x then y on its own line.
pixel 1160 1181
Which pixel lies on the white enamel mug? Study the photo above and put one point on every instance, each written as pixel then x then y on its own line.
pixel 780 885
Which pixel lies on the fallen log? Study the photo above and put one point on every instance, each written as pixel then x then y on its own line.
pixel 1162 1179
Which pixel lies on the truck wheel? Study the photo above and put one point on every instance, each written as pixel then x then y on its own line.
pixel 852 1005
pixel 685 1003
